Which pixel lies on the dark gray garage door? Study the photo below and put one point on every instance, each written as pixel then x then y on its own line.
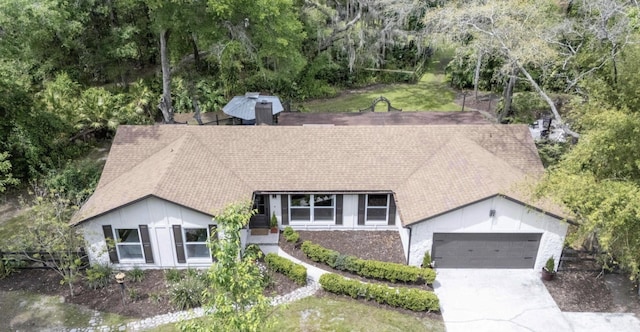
pixel 485 250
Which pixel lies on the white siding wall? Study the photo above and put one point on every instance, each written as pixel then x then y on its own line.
pixel 510 217
pixel 159 215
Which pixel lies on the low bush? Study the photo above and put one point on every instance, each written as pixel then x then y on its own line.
pixel 402 297
pixel 295 272
pixel 426 260
pixel 318 253
pixel 172 275
pixel 393 272
pixel 98 276
pixel 187 293
pixel 136 275
pixel 253 252
pixel 290 235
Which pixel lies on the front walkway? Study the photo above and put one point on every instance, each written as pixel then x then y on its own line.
pixel 513 300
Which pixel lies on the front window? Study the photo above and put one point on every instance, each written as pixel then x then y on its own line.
pixel 312 207
pixel 196 242
pixel 128 243
pixel 377 208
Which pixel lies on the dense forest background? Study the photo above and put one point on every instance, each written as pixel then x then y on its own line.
pixel 72 71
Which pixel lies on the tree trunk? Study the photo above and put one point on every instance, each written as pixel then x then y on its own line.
pixel 476 76
pixel 507 97
pixel 196 52
pixel 165 105
pixel 550 102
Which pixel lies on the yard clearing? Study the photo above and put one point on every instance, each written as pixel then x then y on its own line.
pixel 431 93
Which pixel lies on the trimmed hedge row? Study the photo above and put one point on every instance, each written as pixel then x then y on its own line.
pixel 295 272
pixel 403 297
pixel 368 268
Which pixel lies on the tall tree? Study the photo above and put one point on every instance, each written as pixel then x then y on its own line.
pixel 235 300
pixel 517 30
pixel 599 179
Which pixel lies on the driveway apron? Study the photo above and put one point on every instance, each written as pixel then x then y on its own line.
pixel 497 300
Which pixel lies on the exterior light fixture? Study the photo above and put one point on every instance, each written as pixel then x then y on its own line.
pixel 492 213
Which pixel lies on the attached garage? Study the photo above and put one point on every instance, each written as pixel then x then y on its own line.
pixel 485 250
pixel 497 233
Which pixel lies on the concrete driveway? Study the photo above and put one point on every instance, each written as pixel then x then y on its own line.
pixel 497 300
pixel 514 300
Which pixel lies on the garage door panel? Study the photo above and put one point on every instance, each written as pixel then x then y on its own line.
pixel 485 250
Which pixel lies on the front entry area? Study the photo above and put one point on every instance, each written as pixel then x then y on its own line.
pixel 262 216
pixel 485 250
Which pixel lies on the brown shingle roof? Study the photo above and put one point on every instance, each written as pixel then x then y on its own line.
pixel 431 169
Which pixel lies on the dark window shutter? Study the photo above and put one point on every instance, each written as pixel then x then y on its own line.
pixel 338 209
pixel 108 236
pixel 177 237
pixel 392 210
pixel 284 201
pixel 361 207
pixel 213 236
pixel 146 243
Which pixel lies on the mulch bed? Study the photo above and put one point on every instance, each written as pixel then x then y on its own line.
pixel 151 294
pixel 376 245
pixel 580 291
pixel 588 291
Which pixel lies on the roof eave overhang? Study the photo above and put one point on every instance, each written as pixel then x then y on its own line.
pixel 81 221
pixel 409 224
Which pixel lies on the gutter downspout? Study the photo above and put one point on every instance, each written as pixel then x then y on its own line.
pixel 409 246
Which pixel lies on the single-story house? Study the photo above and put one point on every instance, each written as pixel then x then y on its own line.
pixel 456 191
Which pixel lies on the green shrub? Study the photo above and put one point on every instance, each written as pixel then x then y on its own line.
pixel 293 237
pixel 290 235
pixel 76 181
pixel 172 275
pixel 287 231
pixel 133 294
pixel 295 272
pixel 402 297
pixel 253 252
pixel 319 253
pixel 136 275
pixel 426 260
pixel 98 276
pixel 393 272
pixel 9 265
pixel 187 293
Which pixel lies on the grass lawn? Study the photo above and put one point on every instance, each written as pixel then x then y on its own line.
pixel 328 314
pixel 431 93
pixel 25 311
pixel 10 227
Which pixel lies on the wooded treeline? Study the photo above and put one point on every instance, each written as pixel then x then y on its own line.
pixel 71 70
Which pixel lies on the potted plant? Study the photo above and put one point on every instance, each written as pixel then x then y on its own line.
pixel 273 223
pixel 548 271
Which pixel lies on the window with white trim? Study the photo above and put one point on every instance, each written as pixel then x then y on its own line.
pixel 195 243
pixel 377 208
pixel 313 208
pixel 128 243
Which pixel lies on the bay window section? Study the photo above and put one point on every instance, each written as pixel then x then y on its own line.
pixel 128 244
pixel 377 208
pixel 312 208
